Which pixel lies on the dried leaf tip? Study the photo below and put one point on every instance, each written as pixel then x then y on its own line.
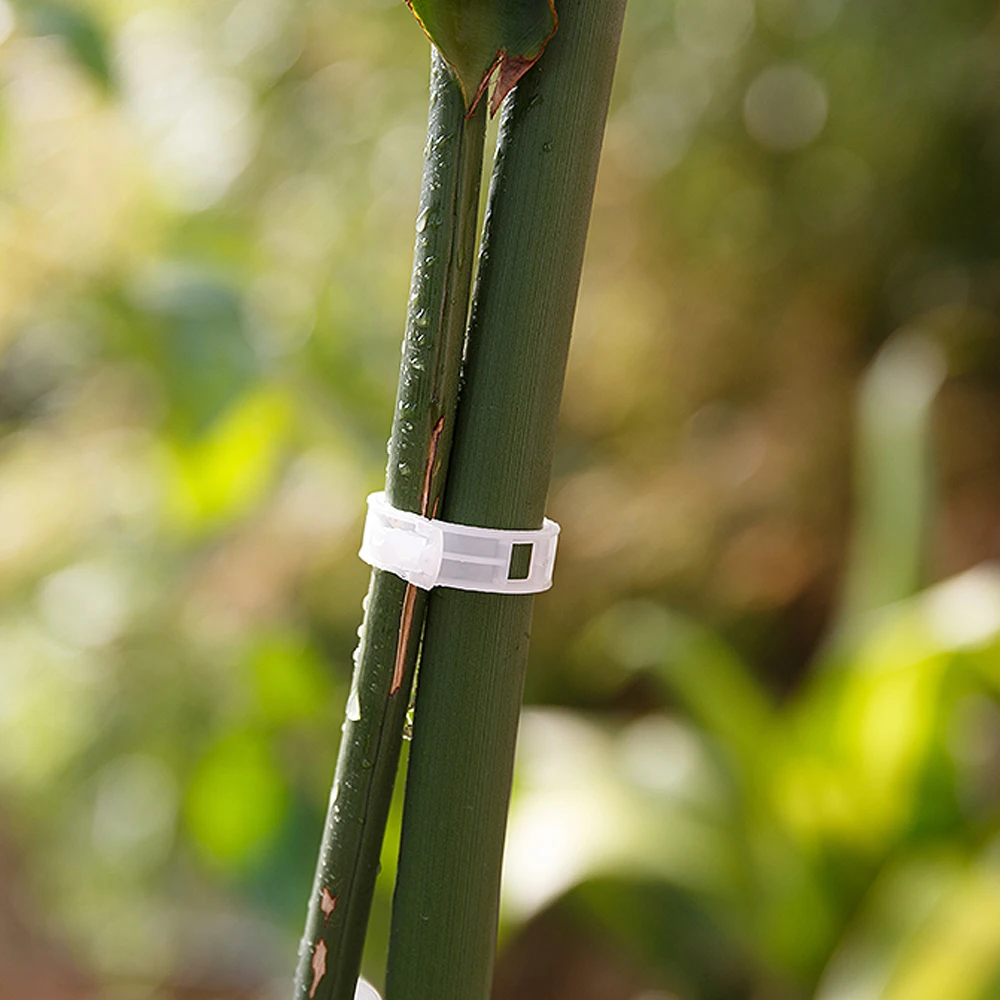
pixel 512 68
pixel 494 39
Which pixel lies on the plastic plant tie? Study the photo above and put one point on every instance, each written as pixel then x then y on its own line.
pixel 430 553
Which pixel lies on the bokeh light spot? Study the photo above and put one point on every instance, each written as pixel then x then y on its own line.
pixel 236 800
pixel 135 810
pixel 785 108
pixel 7 21
pixel 84 605
pixel 714 27
pixel 800 18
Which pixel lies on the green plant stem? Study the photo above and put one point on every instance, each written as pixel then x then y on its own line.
pixel 423 426
pixel 446 901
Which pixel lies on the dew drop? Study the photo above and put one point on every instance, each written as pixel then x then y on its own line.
pixel 423 219
pixel 547 147
pixel 354 706
pixel 403 469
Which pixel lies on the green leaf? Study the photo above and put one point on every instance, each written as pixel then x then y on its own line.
pixel 80 32
pixel 478 37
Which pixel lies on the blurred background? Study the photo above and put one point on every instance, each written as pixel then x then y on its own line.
pixel 760 758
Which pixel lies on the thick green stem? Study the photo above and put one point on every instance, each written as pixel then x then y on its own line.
pixel 475 645
pixel 423 425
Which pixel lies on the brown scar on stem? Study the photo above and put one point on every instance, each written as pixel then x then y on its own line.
pixel 318 966
pixel 425 494
pixel 410 597
pixel 327 903
pixel 405 627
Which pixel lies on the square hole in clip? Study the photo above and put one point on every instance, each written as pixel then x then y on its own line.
pixel 520 561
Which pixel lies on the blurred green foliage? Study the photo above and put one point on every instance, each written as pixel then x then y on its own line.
pixel 762 756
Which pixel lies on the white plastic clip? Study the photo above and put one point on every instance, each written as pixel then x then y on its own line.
pixel 430 553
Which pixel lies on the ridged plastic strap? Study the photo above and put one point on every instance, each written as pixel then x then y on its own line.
pixel 430 553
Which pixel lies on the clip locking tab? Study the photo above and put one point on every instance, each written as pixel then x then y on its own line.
pixel 430 553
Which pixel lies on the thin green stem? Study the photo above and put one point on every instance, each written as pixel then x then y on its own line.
pixel 422 430
pixel 475 645
pixel 893 474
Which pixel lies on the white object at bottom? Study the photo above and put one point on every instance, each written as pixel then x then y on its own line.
pixel 430 553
